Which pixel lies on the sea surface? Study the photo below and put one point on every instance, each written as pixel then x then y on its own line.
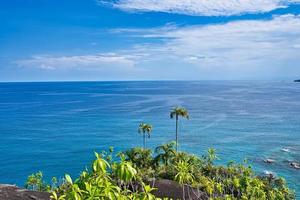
pixel 56 126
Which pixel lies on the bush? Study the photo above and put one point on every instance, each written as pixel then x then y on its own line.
pixel 127 178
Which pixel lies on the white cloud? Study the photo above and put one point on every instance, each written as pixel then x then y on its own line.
pixel 201 7
pixel 245 48
pixel 109 61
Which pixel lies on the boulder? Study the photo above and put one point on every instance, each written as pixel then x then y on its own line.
pixel 12 192
pixel 295 165
pixel 173 190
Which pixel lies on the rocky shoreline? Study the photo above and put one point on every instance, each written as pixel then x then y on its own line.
pixel 12 192
pixel 164 188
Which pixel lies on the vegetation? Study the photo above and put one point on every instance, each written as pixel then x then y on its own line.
pixel 176 113
pixel 35 182
pixel 129 175
pixel 145 129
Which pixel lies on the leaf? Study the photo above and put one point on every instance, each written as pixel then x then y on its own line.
pixel 68 179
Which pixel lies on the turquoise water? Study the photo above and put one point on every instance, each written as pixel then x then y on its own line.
pixel 55 127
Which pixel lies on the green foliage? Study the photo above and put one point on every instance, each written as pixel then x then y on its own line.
pixel 147 193
pixel 211 155
pixel 126 175
pixel 104 181
pixel 142 161
pixel 36 182
pixel 165 153
pixel 100 165
pixel 127 178
pixel 184 173
pixel 125 172
pixel 142 158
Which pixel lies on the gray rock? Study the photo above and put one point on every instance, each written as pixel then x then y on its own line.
pixel 269 160
pixel 12 192
pixel 295 165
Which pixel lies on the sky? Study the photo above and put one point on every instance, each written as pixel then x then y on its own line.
pixel 87 40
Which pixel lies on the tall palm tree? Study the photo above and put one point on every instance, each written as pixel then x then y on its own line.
pixel 176 113
pixel 145 129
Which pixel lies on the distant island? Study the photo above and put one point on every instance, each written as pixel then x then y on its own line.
pixel 298 80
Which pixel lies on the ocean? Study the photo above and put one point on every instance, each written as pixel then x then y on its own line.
pixel 56 126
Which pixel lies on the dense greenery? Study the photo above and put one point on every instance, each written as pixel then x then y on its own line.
pixel 129 174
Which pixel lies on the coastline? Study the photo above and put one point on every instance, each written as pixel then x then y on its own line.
pixel 225 115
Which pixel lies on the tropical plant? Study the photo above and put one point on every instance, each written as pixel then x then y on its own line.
pixel 100 165
pixel 145 129
pixel 176 113
pixel 123 178
pixel 165 153
pixel 141 158
pixel 184 175
pixel 211 155
pixel 147 193
pixel 125 171
pixel 35 182
pixel 104 181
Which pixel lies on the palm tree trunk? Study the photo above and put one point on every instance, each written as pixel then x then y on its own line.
pixel 144 140
pixel 176 132
pixel 183 193
pixel 166 161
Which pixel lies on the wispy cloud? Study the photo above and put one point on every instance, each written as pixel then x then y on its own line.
pixel 108 61
pixel 242 49
pixel 201 7
pixel 237 49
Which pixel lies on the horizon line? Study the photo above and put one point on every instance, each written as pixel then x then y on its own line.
pixel 151 80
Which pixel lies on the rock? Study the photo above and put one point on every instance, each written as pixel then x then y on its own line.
pixel 297 80
pixel 173 190
pixel 269 173
pixel 286 150
pixel 12 192
pixel 165 188
pixel 269 160
pixel 295 165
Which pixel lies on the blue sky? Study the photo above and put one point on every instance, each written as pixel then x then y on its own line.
pixel 63 40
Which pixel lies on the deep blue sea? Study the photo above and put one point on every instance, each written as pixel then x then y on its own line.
pixel 55 127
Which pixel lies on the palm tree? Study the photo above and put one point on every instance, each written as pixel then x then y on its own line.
pixel 141 158
pixel 145 129
pixel 178 112
pixel 165 153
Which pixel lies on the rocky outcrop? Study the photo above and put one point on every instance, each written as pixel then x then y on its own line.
pixel 269 160
pixel 164 188
pixel 12 192
pixel 173 190
pixel 295 165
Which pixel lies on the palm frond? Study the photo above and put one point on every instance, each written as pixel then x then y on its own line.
pixel 179 111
